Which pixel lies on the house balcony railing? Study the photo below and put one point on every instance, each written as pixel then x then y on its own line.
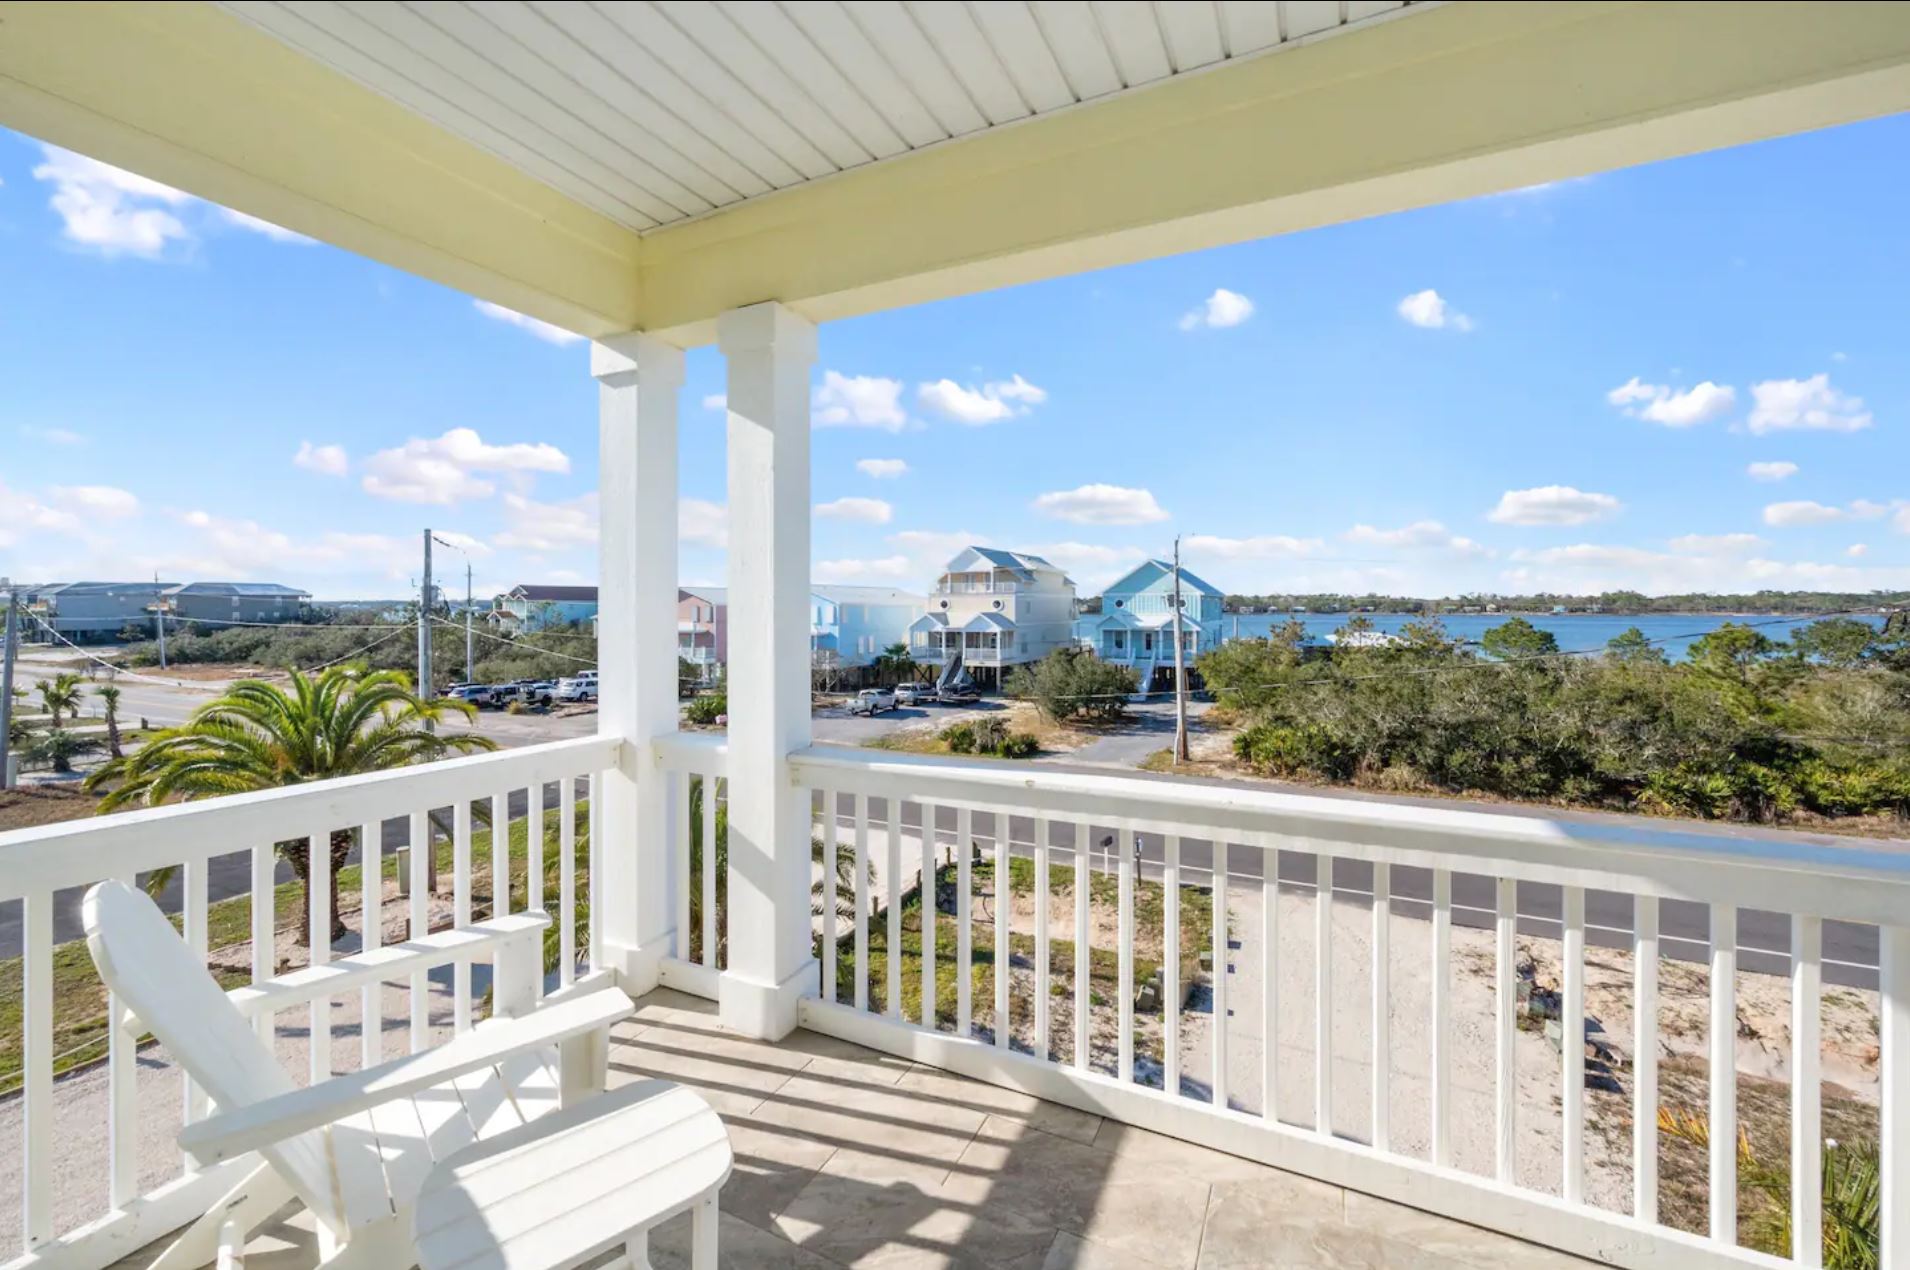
pixel 227 881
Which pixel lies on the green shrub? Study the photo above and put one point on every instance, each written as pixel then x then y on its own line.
pixel 1018 745
pixel 1073 683
pixel 989 734
pixel 960 738
pixel 707 708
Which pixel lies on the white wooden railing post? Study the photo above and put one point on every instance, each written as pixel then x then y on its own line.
pixel 769 350
pixel 638 380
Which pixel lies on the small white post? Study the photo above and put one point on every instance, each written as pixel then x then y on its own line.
pixel 638 380
pixel 770 350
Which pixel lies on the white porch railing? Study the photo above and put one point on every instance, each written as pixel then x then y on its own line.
pixel 45 871
pixel 1520 874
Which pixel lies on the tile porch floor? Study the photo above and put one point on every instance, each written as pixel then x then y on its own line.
pixel 847 1157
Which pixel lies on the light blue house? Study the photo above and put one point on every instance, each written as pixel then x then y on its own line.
pixel 531 607
pixel 1137 619
pixel 849 626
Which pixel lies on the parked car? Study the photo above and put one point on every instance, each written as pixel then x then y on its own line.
pixel 532 692
pixel 914 695
pixel 873 701
pixel 479 695
pixel 581 686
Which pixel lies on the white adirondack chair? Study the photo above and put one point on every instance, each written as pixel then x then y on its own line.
pixel 356 1148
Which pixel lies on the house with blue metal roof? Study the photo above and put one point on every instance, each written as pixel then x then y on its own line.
pixel 1138 621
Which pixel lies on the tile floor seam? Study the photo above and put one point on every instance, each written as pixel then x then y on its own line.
pixel 1206 1215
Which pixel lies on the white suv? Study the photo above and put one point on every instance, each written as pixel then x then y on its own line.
pixel 873 701
pixel 581 686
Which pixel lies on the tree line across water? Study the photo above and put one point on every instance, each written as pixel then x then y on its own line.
pixel 1744 728
pixel 1792 603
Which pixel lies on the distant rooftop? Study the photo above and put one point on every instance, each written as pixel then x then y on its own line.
pixel 246 590
pixel 555 594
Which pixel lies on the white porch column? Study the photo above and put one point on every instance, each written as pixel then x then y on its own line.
pixel 638 380
pixel 769 350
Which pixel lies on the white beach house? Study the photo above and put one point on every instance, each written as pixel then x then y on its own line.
pixel 997 609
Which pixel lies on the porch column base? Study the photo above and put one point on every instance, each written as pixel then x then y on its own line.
pixel 767 1012
pixel 639 966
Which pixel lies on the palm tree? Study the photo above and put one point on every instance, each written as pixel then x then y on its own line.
pixel 342 721
pixel 895 665
pixel 109 695
pixel 60 695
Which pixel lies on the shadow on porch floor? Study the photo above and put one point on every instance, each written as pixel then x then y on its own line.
pixel 848 1157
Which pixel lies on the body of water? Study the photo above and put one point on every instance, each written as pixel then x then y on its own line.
pixel 1673 632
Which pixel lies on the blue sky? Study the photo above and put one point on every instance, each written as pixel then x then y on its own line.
pixel 1563 388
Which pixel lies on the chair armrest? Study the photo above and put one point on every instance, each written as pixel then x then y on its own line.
pixel 242 1129
pixel 393 961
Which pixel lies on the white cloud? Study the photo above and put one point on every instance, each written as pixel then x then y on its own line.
pixel 702 523
pixel 1856 549
pixel 882 469
pixel 1101 505
pixel 1420 535
pixel 51 436
pixel 22 513
pixel 1430 310
pixel 1660 403
pixel 277 233
pixel 716 401
pixel 1780 470
pixel 326 460
pixel 534 526
pixel 542 330
pixel 1552 505
pixel 1715 544
pixel 882 569
pixel 867 511
pixel 109 210
pixel 1260 547
pixel 1804 512
pixel 858 401
pixel 247 549
pixel 990 403
pixel 105 502
pixel 442 470
pixel 1807 404
pixel 1221 309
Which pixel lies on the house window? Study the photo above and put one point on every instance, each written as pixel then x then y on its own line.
pixel 1120 604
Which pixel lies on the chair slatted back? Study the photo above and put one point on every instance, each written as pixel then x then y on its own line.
pixel 152 971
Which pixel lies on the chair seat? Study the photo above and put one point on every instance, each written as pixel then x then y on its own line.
pixel 569 1186
pixel 409 1136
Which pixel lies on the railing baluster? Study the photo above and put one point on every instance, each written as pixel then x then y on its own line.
pixel 420 927
pixel 1807 1121
pixel 122 1102
pixel 1004 914
pixel 710 936
pixel 1723 1074
pixel 36 1072
pixel 567 882
pixel 1893 1083
pixel 964 932
pixel 862 901
pixel 1125 1013
pixel 193 885
pixel 318 891
pixel 680 873
pixel 1382 1005
pixel 1572 1047
pixel 1323 994
pixel 1506 1024
pixel 1220 973
pixel 501 854
pixel 534 850
pixel 371 923
pixel 1042 824
pixel 927 910
pixel 1644 1111
pixel 595 861
pixel 461 884
pixel 827 838
pixel 1440 1043
pixel 1270 979
pixel 1170 964
pixel 264 900
pixel 1083 943
pixel 892 882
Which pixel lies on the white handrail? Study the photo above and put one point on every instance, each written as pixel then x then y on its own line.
pixel 1858 883
pixel 79 852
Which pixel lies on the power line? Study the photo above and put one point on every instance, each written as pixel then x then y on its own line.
pixel 288 626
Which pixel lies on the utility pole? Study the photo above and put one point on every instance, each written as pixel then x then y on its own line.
pixel 6 685
pixel 1180 667
pixel 470 673
pixel 424 623
pixel 159 619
